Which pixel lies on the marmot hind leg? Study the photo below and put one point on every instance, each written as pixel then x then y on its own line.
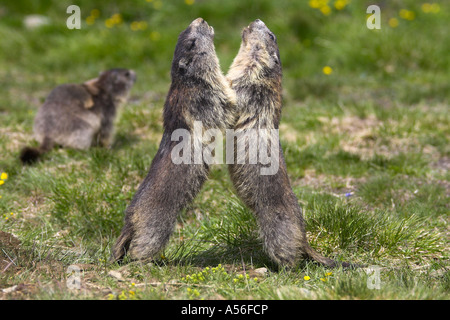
pixel 151 217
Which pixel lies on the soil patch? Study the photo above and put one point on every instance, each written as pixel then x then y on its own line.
pixel 9 247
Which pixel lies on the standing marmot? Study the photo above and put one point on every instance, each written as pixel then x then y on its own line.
pixel 199 92
pixel 80 115
pixel 255 76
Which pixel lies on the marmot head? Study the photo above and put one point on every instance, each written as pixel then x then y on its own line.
pixel 261 45
pixel 195 55
pixel 114 82
pixel 258 55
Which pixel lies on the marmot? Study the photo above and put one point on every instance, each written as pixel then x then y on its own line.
pixel 198 92
pixel 80 115
pixel 256 75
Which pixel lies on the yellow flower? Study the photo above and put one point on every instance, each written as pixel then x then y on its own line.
pixel 109 23
pixel 189 2
pixel 95 13
pixel 403 13
pixel 155 36
pixel 393 22
pixel 193 292
pixel 90 20
pixel 4 176
pixel 326 10
pixel 138 25
pixel 133 284
pixel 426 7
pixel 323 279
pixel 435 8
pixel 143 25
pixel 314 4
pixel 329 274
pixel 122 296
pixel 134 26
pixel 307 278
pixel 116 18
pixel 407 14
pixel 157 4
pixel 327 70
pixel 340 4
pixel 1 182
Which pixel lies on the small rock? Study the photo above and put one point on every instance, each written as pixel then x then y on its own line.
pixel 61 234
pixel 290 292
pixel 10 289
pixel 116 275
pixel 34 21
pixel 261 271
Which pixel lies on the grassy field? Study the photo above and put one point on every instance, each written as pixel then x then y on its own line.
pixel 365 131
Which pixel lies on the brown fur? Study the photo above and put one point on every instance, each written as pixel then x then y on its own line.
pixel 80 115
pixel 199 92
pixel 256 76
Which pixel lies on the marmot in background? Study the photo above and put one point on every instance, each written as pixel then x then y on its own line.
pixel 80 115
pixel 255 75
pixel 198 92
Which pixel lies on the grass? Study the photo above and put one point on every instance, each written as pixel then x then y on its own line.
pixel 366 146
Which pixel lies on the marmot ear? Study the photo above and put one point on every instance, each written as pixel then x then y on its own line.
pixel 88 103
pixel 92 86
pixel 183 65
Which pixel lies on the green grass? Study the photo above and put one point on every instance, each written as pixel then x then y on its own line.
pixel 366 147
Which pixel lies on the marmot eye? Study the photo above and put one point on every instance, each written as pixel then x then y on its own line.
pixel 127 74
pixel 271 36
pixel 192 44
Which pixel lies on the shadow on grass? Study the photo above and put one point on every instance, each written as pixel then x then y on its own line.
pixel 124 140
pixel 249 253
